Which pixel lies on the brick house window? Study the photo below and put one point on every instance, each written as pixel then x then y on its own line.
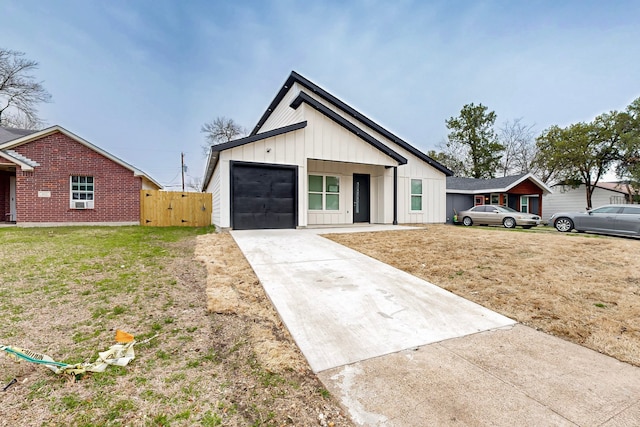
pixel 82 192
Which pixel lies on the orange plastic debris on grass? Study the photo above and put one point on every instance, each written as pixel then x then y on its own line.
pixel 123 337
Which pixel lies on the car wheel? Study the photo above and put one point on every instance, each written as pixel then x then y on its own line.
pixel 509 222
pixel 467 221
pixel 563 224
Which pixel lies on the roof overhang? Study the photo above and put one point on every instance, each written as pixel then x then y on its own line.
pixel 23 166
pixel 214 153
pixel 545 189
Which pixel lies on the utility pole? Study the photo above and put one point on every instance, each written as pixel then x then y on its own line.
pixel 182 167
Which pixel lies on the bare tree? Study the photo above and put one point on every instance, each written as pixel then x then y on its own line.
pixel 19 92
pixel 520 147
pixel 221 130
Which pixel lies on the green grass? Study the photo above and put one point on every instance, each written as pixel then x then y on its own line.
pixel 65 291
pixel 91 280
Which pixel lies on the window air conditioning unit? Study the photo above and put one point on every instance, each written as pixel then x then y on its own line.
pixel 82 204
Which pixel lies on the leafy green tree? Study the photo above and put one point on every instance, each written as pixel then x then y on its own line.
pixel 473 130
pixel 449 160
pixel 582 152
pixel 629 165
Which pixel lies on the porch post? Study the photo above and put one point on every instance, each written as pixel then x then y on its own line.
pixel 395 195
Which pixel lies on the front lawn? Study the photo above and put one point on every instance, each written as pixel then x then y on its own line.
pixel 583 288
pixel 64 292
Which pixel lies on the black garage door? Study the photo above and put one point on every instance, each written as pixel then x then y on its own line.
pixel 263 196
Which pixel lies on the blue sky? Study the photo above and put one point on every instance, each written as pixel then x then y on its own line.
pixel 139 78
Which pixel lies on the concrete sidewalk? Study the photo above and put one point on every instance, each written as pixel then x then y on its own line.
pixel 397 350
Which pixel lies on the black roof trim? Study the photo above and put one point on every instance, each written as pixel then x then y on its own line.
pixel 303 97
pixel 258 137
pixel 213 158
pixel 295 77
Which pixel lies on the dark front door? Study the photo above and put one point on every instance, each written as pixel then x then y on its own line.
pixel 263 196
pixel 361 198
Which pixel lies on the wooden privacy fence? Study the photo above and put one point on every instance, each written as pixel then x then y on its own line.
pixel 171 208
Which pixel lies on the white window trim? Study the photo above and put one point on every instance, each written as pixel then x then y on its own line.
pixel 81 204
pixel 324 193
pixel 411 195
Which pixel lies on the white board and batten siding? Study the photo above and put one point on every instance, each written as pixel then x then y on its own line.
pixel 433 181
pixel 283 114
pixel 567 199
pixel 214 189
pixel 285 149
pixel 326 148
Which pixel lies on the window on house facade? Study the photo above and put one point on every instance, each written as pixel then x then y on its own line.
pixel 524 204
pixel 495 199
pixel 416 194
pixel 324 193
pixel 82 192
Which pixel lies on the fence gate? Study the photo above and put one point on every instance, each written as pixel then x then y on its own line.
pixel 172 208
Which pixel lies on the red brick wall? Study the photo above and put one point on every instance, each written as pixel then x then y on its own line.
pixel 116 190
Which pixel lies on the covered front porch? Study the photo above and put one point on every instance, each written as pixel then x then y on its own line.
pixel 339 193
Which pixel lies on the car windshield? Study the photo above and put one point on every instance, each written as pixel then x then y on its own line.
pixel 505 209
pixel 606 209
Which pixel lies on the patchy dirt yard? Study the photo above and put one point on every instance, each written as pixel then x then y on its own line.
pixel 221 357
pixel 583 288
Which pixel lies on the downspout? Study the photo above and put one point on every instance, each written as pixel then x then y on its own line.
pixel 395 195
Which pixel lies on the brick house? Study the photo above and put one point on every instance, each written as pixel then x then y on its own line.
pixel 53 177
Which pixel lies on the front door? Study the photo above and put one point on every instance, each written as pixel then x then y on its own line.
pixel 361 198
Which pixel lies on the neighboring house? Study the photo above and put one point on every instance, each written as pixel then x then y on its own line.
pixel 523 193
pixel 53 177
pixel 314 160
pixel 566 198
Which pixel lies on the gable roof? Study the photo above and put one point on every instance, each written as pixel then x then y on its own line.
pixel 461 185
pixel 26 136
pixel 351 112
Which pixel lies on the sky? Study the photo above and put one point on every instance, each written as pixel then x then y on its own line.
pixel 140 78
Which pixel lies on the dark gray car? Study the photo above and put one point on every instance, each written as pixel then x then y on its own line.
pixel 621 220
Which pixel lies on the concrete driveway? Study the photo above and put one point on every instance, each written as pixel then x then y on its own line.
pixel 399 351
